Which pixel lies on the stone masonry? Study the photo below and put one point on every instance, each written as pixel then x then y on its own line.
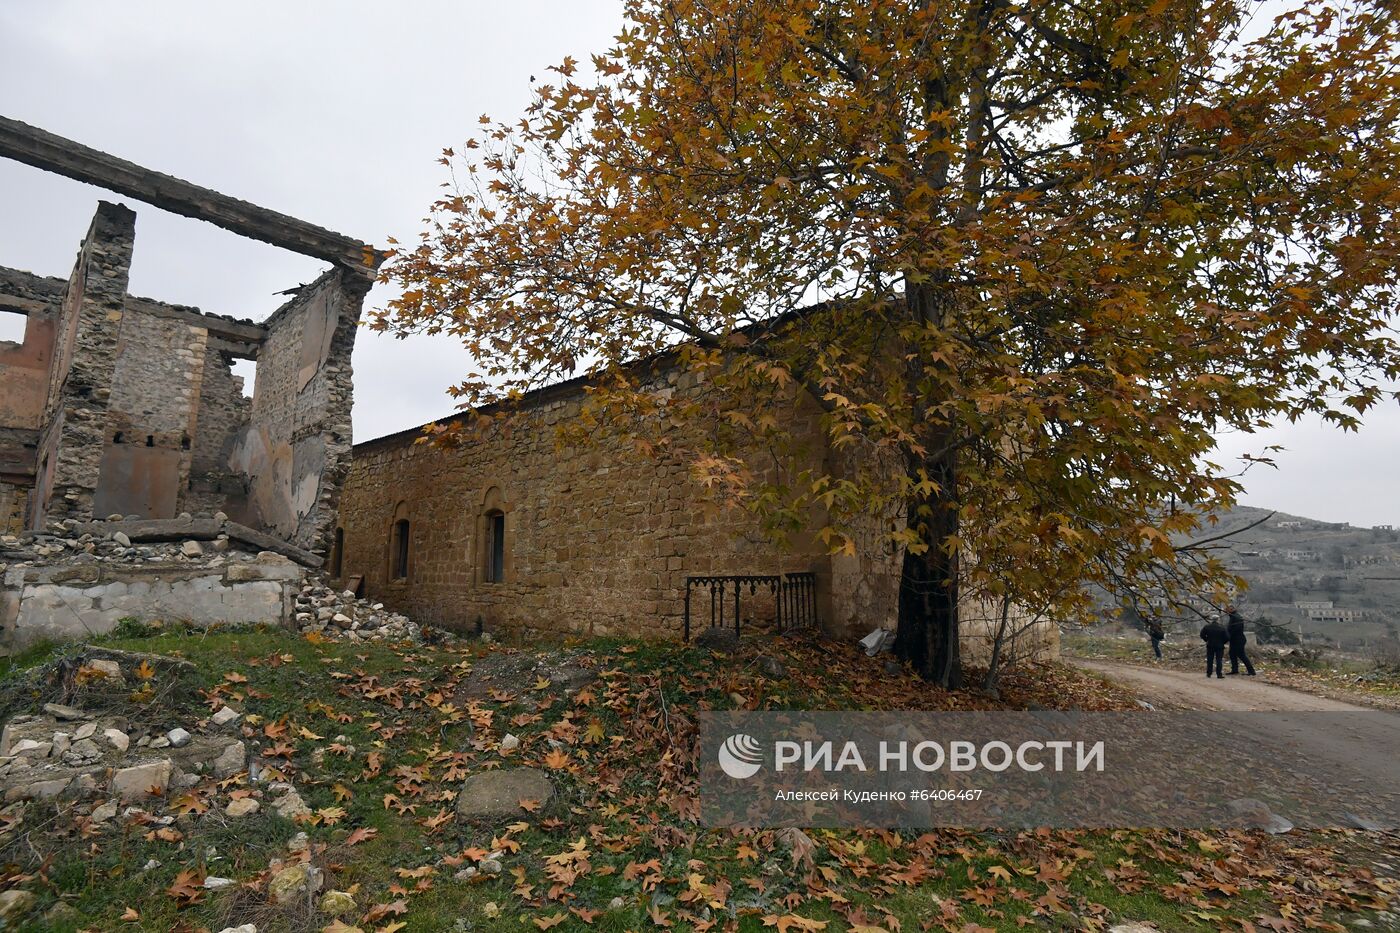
pixel 597 539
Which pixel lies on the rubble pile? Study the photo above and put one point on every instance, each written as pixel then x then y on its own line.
pixel 74 542
pixel 69 753
pixel 339 613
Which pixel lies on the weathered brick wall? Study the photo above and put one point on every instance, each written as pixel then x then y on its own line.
pixel 296 448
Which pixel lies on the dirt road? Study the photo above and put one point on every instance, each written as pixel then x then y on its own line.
pixel 1365 746
pixel 1166 688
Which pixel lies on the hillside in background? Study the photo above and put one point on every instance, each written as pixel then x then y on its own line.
pixel 1329 582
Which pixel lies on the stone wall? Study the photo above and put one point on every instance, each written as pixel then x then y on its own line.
pixel 72 441
pixel 65 604
pixel 296 447
pixel 119 405
pixel 24 368
pixel 598 539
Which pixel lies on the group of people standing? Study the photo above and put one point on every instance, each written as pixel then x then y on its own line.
pixel 1217 638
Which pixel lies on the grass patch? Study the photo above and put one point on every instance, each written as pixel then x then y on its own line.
pixel 377 739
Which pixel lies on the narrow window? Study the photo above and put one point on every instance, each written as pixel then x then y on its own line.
pixel 337 551
pixel 150 440
pixel 185 443
pixel 496 539
pixel 401 549
pixel 118 438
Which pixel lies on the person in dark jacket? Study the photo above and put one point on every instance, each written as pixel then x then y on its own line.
pixel 1215 637
pixel 1235 629
pixel 1155 632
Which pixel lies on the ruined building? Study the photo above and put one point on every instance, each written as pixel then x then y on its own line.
pixel 120 416
pixel 127 406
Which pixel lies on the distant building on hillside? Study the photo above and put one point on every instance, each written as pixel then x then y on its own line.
pixel 1383 528
pixel 1336 615
pixel 1295 554
pixel 1288 524
pixel 1314 604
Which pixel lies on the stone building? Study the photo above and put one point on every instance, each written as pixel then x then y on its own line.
pixel 118 405
pixel 513 530
pixel 137 476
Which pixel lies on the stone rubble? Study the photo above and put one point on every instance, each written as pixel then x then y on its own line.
pixel 340 614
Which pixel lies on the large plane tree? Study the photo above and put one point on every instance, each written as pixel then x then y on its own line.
pixel 1027 256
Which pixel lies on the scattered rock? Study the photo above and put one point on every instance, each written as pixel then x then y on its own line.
pixel 508 744
pixel 293 883
pixel 224 716
pixel 337 903
pixel 29 748
pixel 1133 927
pixel 86 731
pixel 230 761
pixel 178 738
pixel 64 713
pixel 291 806
pixel 496 794
pixel 105 812
pixel 136 782
pixel 192 549
pixel 298 843
pixel 117 739
pixel 15 904
pixel 245 928
pixel 243 806
pixel 215 883
pixel 490 866
pixel 121 538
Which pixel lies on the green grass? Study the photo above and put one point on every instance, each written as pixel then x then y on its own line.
pixel 624 795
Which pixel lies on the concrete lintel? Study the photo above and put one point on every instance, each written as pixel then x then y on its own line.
pixel 45 150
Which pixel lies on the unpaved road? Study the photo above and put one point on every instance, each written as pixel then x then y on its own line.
pixel 1172 689
pixel 1366 746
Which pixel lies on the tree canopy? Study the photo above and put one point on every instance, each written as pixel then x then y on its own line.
pixel 1029 257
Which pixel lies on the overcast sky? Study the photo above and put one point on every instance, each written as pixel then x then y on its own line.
pixel 336 113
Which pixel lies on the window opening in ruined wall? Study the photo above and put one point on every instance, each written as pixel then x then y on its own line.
pixel 12 326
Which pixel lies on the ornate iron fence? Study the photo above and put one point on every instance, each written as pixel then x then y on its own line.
pixel 794 598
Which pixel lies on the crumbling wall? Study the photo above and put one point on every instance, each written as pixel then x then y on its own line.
pixel 72 441
pixel 223 413
pixel 24 368
pixel 152 413
pixel 296 447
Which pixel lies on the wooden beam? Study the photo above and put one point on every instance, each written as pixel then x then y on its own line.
pixel 42 149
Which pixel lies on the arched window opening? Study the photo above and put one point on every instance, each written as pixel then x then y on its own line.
pixel 400 549
pixel 337 552
pixel 496 547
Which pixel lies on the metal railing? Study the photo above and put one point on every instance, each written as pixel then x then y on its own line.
pixel 794 598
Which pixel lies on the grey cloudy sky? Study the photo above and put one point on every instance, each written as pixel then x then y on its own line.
pixel 336 113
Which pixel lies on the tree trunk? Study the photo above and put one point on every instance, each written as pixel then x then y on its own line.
pixel 927 632
pixel 927 635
